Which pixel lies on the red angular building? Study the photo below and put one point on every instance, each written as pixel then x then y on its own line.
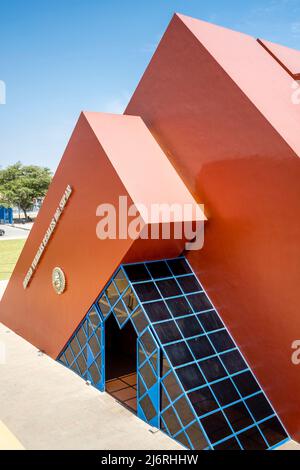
pixel 213 121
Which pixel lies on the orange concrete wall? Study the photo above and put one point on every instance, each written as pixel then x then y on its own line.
pixel 234 162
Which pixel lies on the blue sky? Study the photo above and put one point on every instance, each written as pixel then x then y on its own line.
pixel 58 57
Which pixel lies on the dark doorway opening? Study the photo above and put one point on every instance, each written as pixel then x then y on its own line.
pixel 120 362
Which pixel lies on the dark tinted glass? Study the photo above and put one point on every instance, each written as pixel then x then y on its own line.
pixel 104 305
pixel 167 331
pixel 81 363
pixel 178 353
pixel 221 340
pixel 157 311
pixel 196 436
pixel 189 284
pixel 210 321
pixel 238 416
pixel 184 411
pixel 230 444
pixel 69 355
pixel 203 401
pixel 75 346
pixel 120 312
pixel 171 384
pixel 273 431
pixel 216 427
pixel 189 326
pixel 171 421
pixel 139 320
pixel 199 302
pixel 183 440
pixel 225 392
pixel 141 387
pixel 168 287
pixel 147 291
pixel 252 440
pixel 111 293
pixel 179 307
pixel 137 272
pixel 148 375
pixel 190 377
pixel 94 373
pixel 213 369
pixel 233 362
pixel 159 269
pixel 94 345
pixel 259 407
pixel 147 407
pixel 201 347
pixel 179 266
pixel 81 336
pixel 130 300
pixel 148 342
pixel 94 319
pixel 246 384
pixel 121 281
pixel 164 399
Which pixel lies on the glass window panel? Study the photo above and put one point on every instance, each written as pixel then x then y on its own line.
pixel 157 311
pixel 148 375
pixel 179 354
pixel 148 343
pixel 81 362
pixel 179 307
pixel 94 319
pixel 94 345
pixel 189 326
pixel 137 272
pixel 246 384
pixel 196 436
pixel 69 355
pixel 99 362
pixel 183 440
pixel 74 367
pixel 173 388
pixel 75 346
pixel 225 392
pixel 216 427
pixel 179 266
pixel 167 331
pixel 112 294
pixel 130 300
pixel 165 365
pixel 141 386
pixel 189 284
pixel 213 369
pixel 81 336
pixel 63 359
pixel 120 312
pixel 230 444
pixel 210 321
pixel 201 347
pixel 95 376
pixel 121 281
pixel 252 440
pixel 221 340
pixel 147 407
pixel 168 288
pixel 142 356
pixel 273 431
pixel 104 305
pixel 171 421
pixel 159 269
pixel 238 416
pixel 147 291
pixel 184 411
pixel 164 399
pixel 190 376
pixel 259 407
pixel 139 320
pixel 199 302
pixel 233 361
pixel 203 401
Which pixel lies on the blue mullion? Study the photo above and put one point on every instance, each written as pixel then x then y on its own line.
pixel 241 353
pixel 280 443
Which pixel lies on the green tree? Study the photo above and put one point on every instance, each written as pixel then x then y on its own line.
pixel 20 185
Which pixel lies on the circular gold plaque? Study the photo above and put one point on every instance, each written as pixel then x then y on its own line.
pixel 58 280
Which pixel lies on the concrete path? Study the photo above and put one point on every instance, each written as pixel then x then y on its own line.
pixel 46 406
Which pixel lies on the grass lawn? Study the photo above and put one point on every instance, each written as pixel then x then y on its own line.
pixel 9 254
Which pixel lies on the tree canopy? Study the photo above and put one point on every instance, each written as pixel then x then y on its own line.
pixel 21 185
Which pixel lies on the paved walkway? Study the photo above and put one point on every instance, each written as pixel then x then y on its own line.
pixel 13 233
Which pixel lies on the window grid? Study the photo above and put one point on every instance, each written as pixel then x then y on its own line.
pixel 140 285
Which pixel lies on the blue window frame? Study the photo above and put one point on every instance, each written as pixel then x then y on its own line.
pixel 192 380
